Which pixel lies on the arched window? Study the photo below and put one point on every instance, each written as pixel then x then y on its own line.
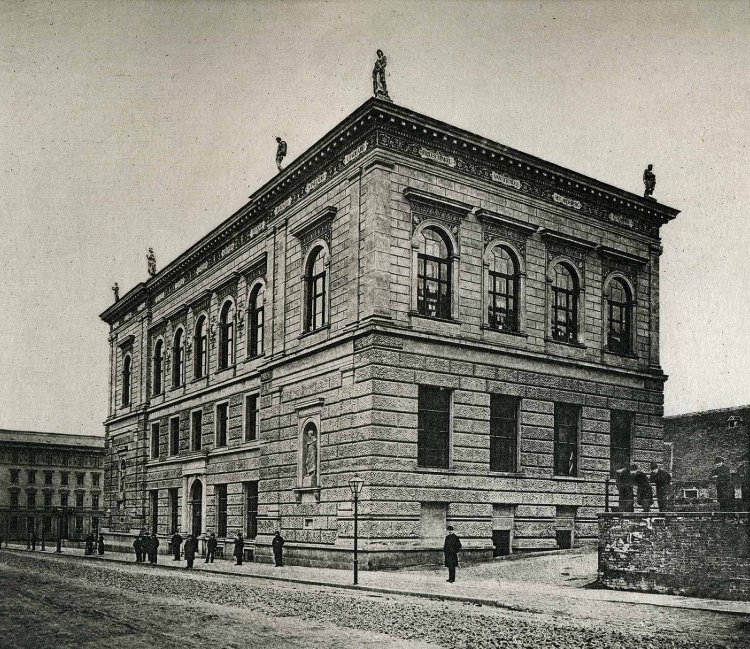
pixel 564 304
pixel 178 359
pixel 434 275
pixel 619 317
pixel 226 335
pixel 126 372
pixel 315 278
pixel 201 347
pixel 255 320
pixel 159 366
pixel 502 300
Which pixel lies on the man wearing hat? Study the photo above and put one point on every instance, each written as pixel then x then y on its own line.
pixel 724 492
pixel 450 549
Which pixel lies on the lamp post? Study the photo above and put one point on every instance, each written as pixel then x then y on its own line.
pixel 356 484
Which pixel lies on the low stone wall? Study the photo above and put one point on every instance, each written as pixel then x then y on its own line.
pixel 699 554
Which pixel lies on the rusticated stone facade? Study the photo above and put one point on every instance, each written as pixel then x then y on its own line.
pixel 382 376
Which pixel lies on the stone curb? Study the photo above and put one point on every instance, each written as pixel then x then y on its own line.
pixel 467 599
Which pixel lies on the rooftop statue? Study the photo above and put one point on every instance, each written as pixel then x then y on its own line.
pixel 280 152
pixel 379 88
pixel 649 181
pixel 116 291
pixel 151 259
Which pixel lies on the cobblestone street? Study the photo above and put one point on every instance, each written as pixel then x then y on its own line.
pixel 69 601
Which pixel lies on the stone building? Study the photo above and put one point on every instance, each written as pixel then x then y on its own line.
pixel 50 482
pixel 694 440
pixel 470 329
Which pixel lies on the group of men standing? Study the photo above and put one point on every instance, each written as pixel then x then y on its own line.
pixel 146 546
pixel 630 478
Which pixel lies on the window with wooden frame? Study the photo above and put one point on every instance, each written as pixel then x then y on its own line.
pixel 564 304
pixel 178 359
pixel 619 317
pixel 200 347
pixel 315 289
pixel 434 261
pixel 226 335
pixel 255 320
pixel 503 433
pixel 567 418
pixel 433 427
pixel 502 297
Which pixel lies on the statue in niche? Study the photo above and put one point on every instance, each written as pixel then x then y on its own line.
pixel 310 456
pixel 116 291
pixel 379 88
pixel 649 181
pixel 151 259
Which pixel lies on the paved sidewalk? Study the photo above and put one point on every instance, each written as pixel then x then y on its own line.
pixel 548 583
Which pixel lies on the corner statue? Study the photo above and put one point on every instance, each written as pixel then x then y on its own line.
pixel 116 291
pixel 649 181
pixel 151 260
pixel 379 88
pixel 280 152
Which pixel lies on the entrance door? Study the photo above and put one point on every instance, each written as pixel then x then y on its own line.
pixel 196 507
pixel 500 543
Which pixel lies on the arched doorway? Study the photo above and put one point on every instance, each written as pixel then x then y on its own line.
pixel 196 507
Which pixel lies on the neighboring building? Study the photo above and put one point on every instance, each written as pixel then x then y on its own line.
pixel 472 330
pixel 50 482
pixel 694 440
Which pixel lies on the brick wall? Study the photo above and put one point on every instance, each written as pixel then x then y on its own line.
pixel 694 554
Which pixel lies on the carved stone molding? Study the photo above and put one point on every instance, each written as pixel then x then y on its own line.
pixel 316 228
pixel 426 206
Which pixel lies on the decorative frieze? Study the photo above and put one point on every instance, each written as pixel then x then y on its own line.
pixel 317 228
pixel 568 202
pixel 505 180
pixel 437 156
pixel 493 232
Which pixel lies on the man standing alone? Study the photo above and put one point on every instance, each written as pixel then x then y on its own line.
pixel 278 548
pixel 451 548
pixel 645 492
pixel 239 548
pixel 661 479
pixel 724 493
pixel 211 548
pixel 176 543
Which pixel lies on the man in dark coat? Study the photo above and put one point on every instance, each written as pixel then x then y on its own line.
pixel 211 545
pixel 176 542
pixel 625 488
pixel 661 480
pixel 100 545
pixel 278 549
pixel 89 544
pixel 191 545
pixel 239 548
pixel 154 548
pixel 451 548
pixel 645 492
pixel 138 548
pixel 33 540
pixel 724 491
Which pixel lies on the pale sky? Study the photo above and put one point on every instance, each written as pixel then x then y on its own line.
pixel 136 124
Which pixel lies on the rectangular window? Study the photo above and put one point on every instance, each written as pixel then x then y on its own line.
pixel 79 501
pixel 79 526
pixel 196 430
pixel 14 523
pixel 14 500
pixel 620 436
pixel 222 423
pixel 47 526
pixel 14 474
pixel 94 502
pixel 80 479
pixel 64 479
pixel 31 500
pixel 155 440
pixel 251 508
pixel 174 435
pixel 48 500
pixel 252 417
pixel 433 433
pixel 31 476
pixel 173 511
pixel 221 510
pixel 153 497
pixel 63 500
pixel 95 478
pixel 48 477
pixel 566 439
pixel 503 433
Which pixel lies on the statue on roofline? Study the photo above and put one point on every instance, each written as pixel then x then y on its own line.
pixel 151 259
pixel 379 87
pixel 649 182
pixel 116 291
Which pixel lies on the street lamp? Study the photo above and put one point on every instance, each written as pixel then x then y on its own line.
pixel 356 484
